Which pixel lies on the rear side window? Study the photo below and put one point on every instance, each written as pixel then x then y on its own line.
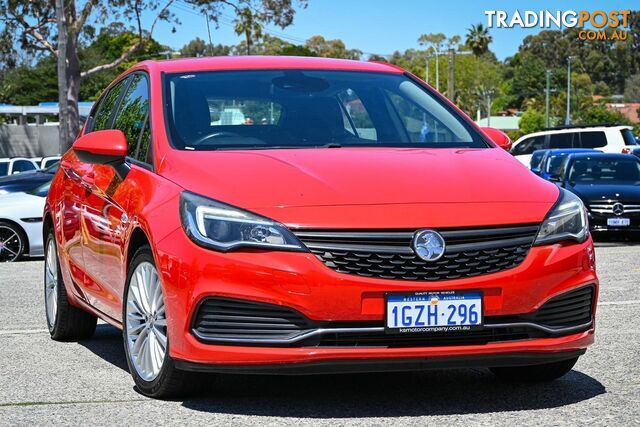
pixel 561 140
pixel 529 145
pixel 593 139
pixel 628 137
pixel 107 104
pixel 23 166
pixel 4 168
pixel 132 116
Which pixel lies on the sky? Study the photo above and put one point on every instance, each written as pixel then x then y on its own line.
pixel 382 26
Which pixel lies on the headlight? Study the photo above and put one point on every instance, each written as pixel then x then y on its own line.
pixel 223 227
pixel 567 220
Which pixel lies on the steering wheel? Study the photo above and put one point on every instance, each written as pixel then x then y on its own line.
pixel 215 135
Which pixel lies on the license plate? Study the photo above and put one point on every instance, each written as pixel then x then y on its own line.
pixel 619 222
pixel 433 311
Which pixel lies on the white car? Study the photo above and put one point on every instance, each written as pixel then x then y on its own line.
pixel 48 161
pixel 45 162
pixel 608 139
pixel 21 224
pixel 17 165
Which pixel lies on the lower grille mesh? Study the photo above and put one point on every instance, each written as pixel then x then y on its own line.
pixel 569 309
pixel 221 318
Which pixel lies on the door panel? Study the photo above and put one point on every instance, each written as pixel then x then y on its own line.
pixel 71 211
pixel 104 222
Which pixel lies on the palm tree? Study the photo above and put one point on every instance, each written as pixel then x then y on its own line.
pixel 478 39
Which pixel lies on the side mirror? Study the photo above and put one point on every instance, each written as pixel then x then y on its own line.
pixel 498 137
pixel 104 147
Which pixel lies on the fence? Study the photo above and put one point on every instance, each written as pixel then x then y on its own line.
pixel 29 140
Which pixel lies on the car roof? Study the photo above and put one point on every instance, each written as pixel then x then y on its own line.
pixel 575 129
pixel 601 155
pixel 570 151
pixel 220 63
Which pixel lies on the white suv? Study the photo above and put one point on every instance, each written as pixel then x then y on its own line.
pixel 608 139
pixel 17 165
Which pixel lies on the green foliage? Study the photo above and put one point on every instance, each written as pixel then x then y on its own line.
pixel 632 88
pixel 26 85
pixel 331 48
pixel 478 39
pixel 599 114
pixel 532 121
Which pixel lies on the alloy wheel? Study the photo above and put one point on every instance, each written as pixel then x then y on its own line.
pixel 145 323
pixel 51 283
pixel 10 244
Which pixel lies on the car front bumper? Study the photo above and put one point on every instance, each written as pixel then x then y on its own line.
pixel 298 280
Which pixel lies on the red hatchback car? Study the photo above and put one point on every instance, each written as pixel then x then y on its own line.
pixel 304 215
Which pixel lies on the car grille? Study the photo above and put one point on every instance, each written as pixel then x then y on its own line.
pixel 239 322
pixel 388 254
pixel 608 208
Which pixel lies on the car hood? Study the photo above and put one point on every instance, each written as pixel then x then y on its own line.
pixel 368 186
pixel 21 176
pixel 12 201
pixel 591 193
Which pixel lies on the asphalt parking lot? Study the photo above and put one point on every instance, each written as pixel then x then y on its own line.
pixel 42 381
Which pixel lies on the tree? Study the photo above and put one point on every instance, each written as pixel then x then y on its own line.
pixel 531 121
pixel 331 48
pixel 41 25
pixel 478 39
pixel 599 114
pixel 198 47
pixel 632 88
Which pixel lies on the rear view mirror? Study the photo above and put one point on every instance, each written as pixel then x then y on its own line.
pixel 498 137
pixel 104 147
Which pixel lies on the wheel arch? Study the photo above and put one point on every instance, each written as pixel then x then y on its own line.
pixel 138 239
pixel 47 224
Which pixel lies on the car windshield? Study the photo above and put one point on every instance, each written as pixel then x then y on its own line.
pixel 604 171
pixel 4 168
pixel 536 159
pixel 41 190
pixel 554 164
pixel 308 108
pixel 53 168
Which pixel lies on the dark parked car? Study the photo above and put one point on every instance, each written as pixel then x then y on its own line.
pixel 550 165
pixel 609 186
pixel 27 181
pixel 536 159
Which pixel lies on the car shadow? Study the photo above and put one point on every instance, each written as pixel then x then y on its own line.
pixel 107 344
pixel 436 392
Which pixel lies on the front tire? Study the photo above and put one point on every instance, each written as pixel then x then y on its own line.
pixel 535 373
pixel 146 341
pixel 65 322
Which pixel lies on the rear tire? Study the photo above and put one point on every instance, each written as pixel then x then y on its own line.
pixel 144 332
pixel 535 373
pixel 65 322
pixel 13 242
